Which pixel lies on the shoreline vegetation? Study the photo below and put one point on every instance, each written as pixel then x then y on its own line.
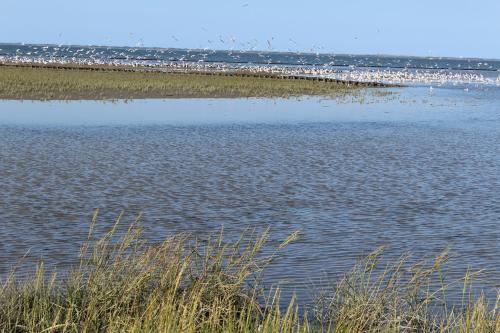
pixel 25 81
pixel 124 284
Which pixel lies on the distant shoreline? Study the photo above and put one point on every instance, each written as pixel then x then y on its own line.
pixel 74 81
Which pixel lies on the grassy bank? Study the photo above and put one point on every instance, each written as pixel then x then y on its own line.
pixel 123 284
pixel 109 82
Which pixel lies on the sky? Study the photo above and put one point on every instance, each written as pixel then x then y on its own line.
pixel 455 28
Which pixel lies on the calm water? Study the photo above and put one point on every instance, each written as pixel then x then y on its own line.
pixel 418 170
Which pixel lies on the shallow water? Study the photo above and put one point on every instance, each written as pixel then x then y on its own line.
pixel 418 170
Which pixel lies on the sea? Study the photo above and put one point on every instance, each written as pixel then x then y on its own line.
pixel 414 169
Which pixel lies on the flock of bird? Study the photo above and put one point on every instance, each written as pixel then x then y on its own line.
pixel 407 76
pixel 162 60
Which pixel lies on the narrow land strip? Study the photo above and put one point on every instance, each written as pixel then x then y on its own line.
pixel 104 82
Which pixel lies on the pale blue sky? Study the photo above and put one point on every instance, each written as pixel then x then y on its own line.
pixel 423 27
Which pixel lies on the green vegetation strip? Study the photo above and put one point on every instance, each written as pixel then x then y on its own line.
pixel 124 284
pixel 33 82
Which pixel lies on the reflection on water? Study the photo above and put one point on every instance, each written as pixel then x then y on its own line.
pixel 419 176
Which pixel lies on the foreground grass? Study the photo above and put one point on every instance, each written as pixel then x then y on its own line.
pixel 75 83
pixel 127 285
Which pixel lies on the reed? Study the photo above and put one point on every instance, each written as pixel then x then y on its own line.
pixel 105 83
pixel 125 284
pixel 404 297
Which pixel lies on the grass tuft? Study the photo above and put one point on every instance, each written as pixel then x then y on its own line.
pixel 125 284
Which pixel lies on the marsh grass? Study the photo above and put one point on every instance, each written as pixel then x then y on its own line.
pixel 38 83
pixel 404 297
pixel 125 284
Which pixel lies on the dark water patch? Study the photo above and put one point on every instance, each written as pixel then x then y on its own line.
pixel 248 57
